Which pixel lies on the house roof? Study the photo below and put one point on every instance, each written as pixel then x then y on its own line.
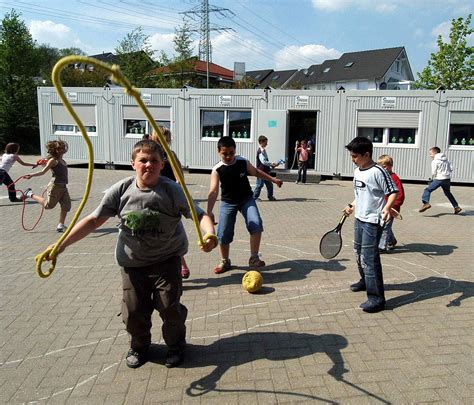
pixel 259 75
pixel 200 67
pixel 107 57
pixel 278 78
pixel 362 65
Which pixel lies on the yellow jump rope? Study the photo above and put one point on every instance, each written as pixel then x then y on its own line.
pixel 51 254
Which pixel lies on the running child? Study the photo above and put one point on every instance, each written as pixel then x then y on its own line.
pixel 8 160
pixel 57 187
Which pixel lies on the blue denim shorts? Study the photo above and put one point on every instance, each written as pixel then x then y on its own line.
pixel 228 214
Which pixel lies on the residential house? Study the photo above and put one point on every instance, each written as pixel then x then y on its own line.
pixel 377 69
pixel 218 76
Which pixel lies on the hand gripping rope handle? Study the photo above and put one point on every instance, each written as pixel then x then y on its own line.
pixel 117 77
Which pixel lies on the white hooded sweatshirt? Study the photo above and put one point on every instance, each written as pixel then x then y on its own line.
pixel 441 168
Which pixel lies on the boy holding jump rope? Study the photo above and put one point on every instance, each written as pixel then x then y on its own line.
pixel 371 184
pixel 151 242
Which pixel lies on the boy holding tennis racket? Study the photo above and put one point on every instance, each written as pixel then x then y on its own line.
pixel 371 184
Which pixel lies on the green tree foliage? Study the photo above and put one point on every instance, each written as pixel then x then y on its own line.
pixel 246 83
pixel 136 58
pixel 452 67
pixel 18 100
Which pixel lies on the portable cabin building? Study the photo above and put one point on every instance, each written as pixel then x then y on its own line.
pixel 403 124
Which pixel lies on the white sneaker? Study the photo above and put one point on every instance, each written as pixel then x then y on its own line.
pixel 28 193
pixel 61 228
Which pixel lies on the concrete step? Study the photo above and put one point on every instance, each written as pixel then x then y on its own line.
pixel 292 175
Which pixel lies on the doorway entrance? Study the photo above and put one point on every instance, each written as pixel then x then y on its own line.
pixel 302 125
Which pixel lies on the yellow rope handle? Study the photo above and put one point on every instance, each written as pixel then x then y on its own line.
pixel 117 77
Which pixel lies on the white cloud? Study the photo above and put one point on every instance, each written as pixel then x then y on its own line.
pixel 442 29
pixel 385 7
pixel 458 6
pixel 331 5
pixel 56 35
pixel 228 48
pixel 162 42
pixel 292 57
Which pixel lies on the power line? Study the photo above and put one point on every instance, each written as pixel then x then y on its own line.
pixel 202 13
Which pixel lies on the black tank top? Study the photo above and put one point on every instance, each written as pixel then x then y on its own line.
pixel 235 186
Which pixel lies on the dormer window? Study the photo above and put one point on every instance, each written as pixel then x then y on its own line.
pixel 326 70
pixel 348 65
pixel 276 77
pixel 258 76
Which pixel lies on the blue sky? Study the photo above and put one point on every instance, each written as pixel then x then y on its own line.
pixel 276 34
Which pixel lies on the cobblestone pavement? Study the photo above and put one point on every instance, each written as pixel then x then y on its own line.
pixel 301 339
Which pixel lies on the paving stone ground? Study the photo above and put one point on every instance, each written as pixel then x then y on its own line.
pixel 301 339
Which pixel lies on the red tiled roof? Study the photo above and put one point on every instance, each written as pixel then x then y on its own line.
pixel 201 68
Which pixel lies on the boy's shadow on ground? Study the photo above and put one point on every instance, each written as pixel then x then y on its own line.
pixel 426 249
pixel 297 269
pixel 429 288
pixel 274 346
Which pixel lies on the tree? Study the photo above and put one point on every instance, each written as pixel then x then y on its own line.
pixel 18 100
pixel 452 67
pixel 136 58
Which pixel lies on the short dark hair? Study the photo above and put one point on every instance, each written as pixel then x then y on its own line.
pixel 262 138
pixel 12 148
pixel 225 142
pixel 436 149
pixel 360 145
pixel 147 146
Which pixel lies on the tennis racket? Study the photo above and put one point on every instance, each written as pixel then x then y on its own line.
pixel 331 242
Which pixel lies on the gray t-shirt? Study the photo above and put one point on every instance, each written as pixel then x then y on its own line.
pixel 150 230
pixel 371 185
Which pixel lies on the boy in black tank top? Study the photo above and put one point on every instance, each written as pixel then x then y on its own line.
pixel 236 195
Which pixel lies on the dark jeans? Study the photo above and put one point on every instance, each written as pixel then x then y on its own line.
pixel 445 185
pixel 366 248
pixel 7 180
pixel 302 168
pixel 259 186
pixel 159 287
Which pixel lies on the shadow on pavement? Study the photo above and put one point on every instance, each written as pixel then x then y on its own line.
pixel 429 288
pixel 427 249
pixel 293 270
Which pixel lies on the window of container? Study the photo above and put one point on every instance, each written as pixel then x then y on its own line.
pixel 135 124
pixel 234 123
pixel 64 124
pixel 390 128
pixel 461 130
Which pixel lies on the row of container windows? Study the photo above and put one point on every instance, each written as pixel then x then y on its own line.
pixel 459 135
pixel 237 124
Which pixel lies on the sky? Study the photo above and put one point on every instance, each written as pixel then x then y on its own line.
pixel 264 34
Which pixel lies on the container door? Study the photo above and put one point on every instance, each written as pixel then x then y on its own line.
pixel 273 124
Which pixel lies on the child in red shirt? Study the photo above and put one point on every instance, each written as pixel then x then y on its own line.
pixel 388 240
